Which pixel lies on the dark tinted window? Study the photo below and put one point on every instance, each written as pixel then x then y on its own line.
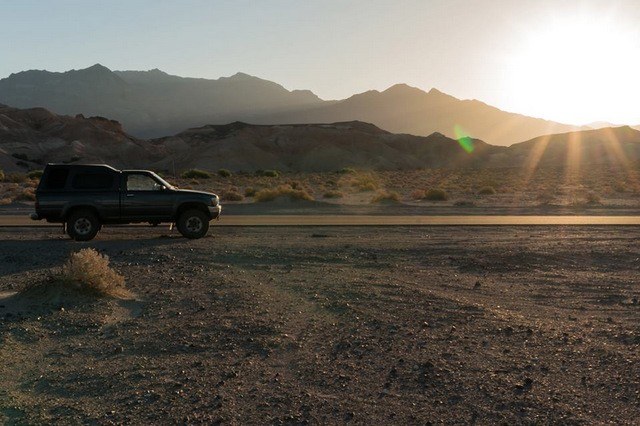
pixel 57 178
pixel 92 181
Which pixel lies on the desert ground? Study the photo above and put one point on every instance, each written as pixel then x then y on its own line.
pixel 297 325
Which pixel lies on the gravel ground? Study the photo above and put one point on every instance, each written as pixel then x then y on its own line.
pixel 296 325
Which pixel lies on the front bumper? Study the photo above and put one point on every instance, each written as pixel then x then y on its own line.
pixel 214 211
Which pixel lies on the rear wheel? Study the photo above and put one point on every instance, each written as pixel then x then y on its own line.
pixel 193 224
pixel 83 225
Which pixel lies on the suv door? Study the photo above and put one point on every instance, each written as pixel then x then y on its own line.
pixel 145 199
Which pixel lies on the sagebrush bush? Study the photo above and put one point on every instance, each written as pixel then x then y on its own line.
pixel 436 195
pixel 365 182
pixel 333 194
pixel 346 170
pixel 224 173
pixel 386 196
pixel 195 174
pixel 232 195
pixel 270 194
pixel 268 173
pixel 26 194
pixel 418 194
pixel 487 190
pixel 16 177
pixel 89 271
pixel 34 174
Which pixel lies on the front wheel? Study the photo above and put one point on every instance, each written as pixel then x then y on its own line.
pixel 83 225
pixel 193 224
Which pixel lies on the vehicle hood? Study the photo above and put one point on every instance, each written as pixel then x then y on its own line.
pixel 192 192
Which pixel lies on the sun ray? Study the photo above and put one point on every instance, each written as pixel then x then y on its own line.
pixel 572 166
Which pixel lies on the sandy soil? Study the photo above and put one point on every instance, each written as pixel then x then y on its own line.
pixel 329 325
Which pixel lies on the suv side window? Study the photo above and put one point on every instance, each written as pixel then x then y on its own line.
pixel 92 181
pixel 142 183
pixel 57 178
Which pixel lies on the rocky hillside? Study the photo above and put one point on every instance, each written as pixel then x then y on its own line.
pixel 314 147
pixel 32 137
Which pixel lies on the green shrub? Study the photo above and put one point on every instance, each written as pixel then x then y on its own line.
pixel 487 190
pixel 224 173
pixel 34 174
pixel 196 174
pixel 271 194
pixel 346 171
pixel 268 173
pixel 333 194
pixel 436 195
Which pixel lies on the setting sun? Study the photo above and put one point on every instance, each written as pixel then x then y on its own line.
pixel 577 70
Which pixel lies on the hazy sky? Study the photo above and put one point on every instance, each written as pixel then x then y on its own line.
pixel 572 61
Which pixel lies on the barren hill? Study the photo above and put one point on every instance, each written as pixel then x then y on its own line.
pixel 313 147
pixel 617 146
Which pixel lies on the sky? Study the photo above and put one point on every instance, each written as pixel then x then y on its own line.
pixel 570 61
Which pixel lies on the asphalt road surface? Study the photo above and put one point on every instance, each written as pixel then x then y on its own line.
pixel 365 220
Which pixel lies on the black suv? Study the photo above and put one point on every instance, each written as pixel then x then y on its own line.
pixel 84 197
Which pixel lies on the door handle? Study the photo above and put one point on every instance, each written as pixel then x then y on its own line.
pixel 129 195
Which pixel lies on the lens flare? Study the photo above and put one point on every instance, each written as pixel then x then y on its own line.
pixel 464 140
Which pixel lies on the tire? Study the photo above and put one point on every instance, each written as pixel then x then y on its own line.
pixel 83 225
pixel 193 224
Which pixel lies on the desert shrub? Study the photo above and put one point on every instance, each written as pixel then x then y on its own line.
pixel 194 182
pixel 346 171
pixel 333 194
pixel 26 195
pixel 4 201
pixel 34 174
pixel 487 190
pixel 16 177
pixel 232 195
pixel 545 198
pixel 224 173
pixel 417 194
pixel 386 196
pixel 365 182
pixel 89 271
pixel 195 174
pixel 270 194
pixel 619 187
pixel 593 198
pixel 20 157
pixel 267 173
pixel 249 192
pixel 436 195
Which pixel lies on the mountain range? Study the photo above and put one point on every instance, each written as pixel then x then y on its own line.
pixel 154 104
pixel 32 137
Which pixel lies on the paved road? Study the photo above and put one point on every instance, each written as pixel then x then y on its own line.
pixel 354 220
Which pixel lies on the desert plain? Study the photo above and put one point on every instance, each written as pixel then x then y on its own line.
pixel 326 325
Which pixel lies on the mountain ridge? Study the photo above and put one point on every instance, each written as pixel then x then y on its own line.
pixel 154 103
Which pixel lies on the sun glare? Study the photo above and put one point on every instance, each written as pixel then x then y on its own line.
pixel 577 70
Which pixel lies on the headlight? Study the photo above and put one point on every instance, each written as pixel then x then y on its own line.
pixel 215 201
